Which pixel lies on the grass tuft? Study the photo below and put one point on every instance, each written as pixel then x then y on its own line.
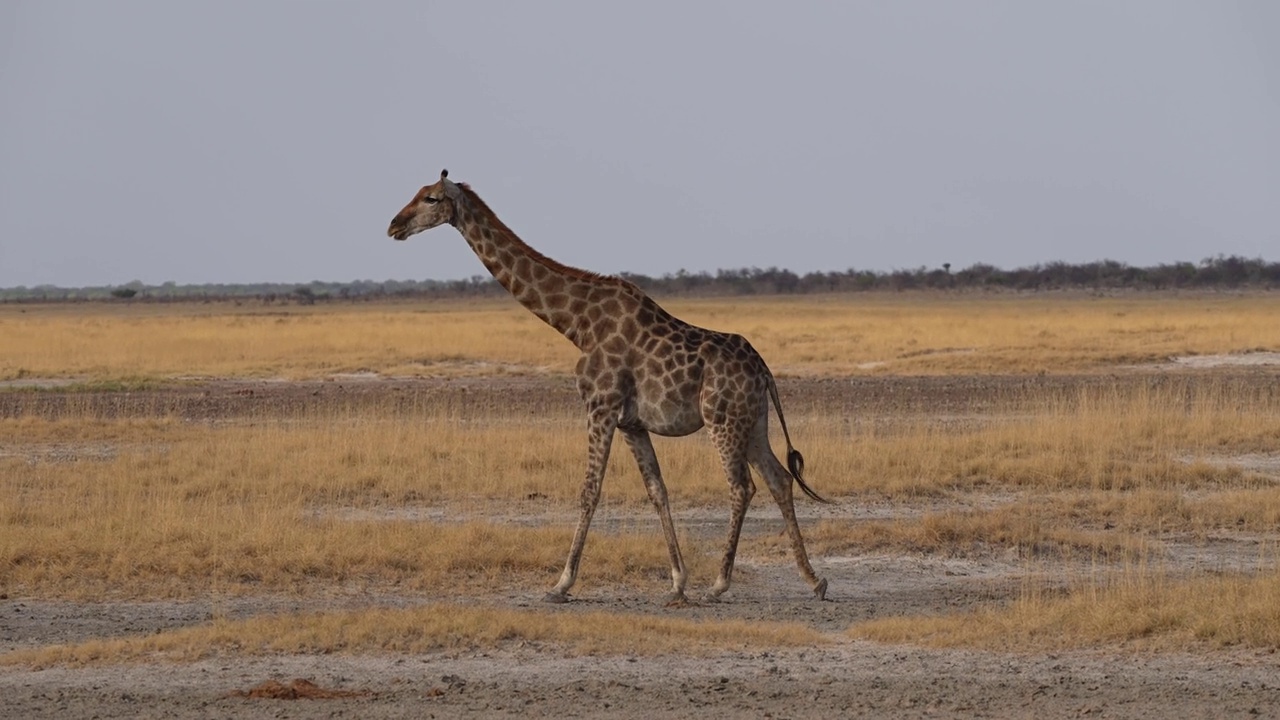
pixel 1144 609
pixel 427 628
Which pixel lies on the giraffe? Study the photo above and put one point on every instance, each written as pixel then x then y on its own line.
pixel 641 371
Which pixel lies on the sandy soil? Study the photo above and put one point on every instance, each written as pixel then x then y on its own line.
pixel 843 679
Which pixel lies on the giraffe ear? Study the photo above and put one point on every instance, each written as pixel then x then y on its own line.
pixel 451 190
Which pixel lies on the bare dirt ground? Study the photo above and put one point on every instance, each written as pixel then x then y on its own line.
pixel 842 679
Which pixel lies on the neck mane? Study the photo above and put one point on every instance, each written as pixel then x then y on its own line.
pixel 548 288
pixel 510 240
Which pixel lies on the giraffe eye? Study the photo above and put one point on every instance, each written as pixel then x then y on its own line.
pixel 430 200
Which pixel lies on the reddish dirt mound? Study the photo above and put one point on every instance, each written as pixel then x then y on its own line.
pixel 298 689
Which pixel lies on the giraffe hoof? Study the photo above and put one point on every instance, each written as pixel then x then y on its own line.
pixel 677 600
pixel 555 598
pixel 711 598
pixel 820 589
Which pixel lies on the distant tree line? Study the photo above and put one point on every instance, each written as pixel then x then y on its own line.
pixel 1221 272
pixel 284 293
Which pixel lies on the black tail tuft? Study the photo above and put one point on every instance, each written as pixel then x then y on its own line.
pixel 795 463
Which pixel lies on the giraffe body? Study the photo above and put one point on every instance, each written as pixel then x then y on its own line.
pixel 642 371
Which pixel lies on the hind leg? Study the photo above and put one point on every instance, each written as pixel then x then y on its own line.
pixel 731 442
pixel 779 481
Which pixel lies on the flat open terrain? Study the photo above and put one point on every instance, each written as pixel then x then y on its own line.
pixel 1026 524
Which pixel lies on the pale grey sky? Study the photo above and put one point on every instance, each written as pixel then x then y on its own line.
pixel 239 141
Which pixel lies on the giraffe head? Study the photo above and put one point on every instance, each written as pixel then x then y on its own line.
pixel 434 205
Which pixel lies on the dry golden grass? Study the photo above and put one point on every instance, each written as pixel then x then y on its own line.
pixel 930 333
pixel 162 507
pixel 1147 609
pixel 104 342
pixel 1150 437
pixel 426 628
pixel 1038 532
pixel 94 507
pixel 158 507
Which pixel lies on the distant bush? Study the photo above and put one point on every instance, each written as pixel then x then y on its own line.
pixel 1225 272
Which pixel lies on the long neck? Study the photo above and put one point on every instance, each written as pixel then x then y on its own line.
pixel 541 284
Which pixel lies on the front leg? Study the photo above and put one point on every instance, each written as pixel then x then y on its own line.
pixel 601 423
pixel 642 447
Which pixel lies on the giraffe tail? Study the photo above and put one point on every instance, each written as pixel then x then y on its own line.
pixel 795 461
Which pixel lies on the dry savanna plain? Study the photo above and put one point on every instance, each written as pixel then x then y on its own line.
pixel 1045 505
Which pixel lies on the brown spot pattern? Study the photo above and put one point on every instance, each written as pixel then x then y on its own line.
pixel 643 371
